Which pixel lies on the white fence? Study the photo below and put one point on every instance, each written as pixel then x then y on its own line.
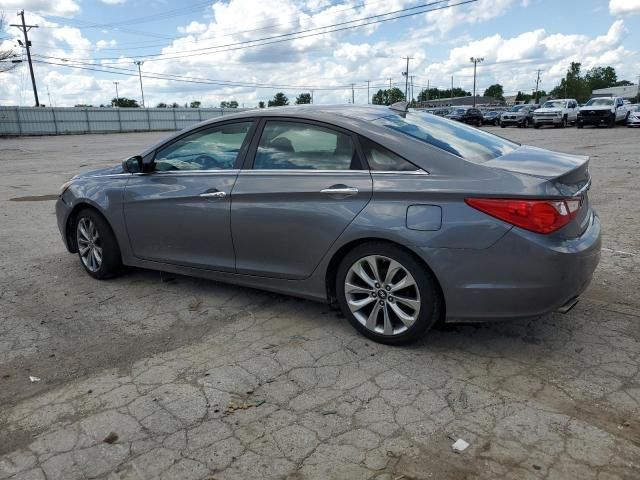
pixel 60 121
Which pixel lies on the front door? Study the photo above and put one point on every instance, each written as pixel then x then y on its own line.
pixel 179 213
pixel 307 183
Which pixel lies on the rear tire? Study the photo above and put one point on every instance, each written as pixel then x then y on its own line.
pixel 525 123
pixel 579 124
pixel 370 283
pixel 97 245
pixel 536 125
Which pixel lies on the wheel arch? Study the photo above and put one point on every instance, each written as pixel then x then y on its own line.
pixel 71 221
pixel 336 259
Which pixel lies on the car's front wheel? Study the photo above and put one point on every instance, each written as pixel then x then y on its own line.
pixel 97 245
pixel 387 294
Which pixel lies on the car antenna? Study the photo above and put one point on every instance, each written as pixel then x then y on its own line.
pixel 402 107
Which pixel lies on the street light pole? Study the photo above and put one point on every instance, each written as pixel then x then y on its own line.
pixel 475 61
pixel 406 77
pixel 139 63
pixel 117 97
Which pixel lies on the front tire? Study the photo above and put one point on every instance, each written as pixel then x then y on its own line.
pixel 580 124
pixel 386 294
pixel 97 245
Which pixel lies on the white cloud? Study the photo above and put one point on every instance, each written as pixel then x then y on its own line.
pixel 624 7
pixel 100 44
pixel 328 63
pixel 113 2
pixel 481 11
pixel 59 8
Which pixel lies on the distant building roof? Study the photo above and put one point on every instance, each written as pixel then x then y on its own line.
pixel 629 91
pixel 458 101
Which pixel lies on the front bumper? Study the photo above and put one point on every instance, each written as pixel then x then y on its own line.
pixel 512 121
pixel 63 211
pixel 547 120
pixel 523 275
pixel 633 122
pixel 594 119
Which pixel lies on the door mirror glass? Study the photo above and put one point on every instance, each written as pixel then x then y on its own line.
pixel 132 164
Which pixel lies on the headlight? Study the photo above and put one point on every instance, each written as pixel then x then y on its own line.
pixel 66 185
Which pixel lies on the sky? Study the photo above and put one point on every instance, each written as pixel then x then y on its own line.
pixel 239 49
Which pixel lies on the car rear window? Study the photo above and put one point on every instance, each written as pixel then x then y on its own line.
pixel 454 137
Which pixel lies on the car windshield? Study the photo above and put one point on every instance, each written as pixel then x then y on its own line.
pixel 517 108
pixel 456 138
pixel 459 111
pixel 594 102
pixel 555 104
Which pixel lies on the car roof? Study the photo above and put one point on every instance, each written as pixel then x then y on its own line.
pixel 361 112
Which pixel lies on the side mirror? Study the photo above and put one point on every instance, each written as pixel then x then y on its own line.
pixel 132 164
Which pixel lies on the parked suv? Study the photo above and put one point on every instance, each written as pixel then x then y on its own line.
pixel 603 111
pixel 519 115
pixel 491 117
pixel 472 116
pixel 558 113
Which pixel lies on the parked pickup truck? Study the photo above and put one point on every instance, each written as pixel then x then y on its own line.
pixel 558 113
pixel 603 111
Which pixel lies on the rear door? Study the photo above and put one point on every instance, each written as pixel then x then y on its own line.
pixel 303 184
pixel 179 213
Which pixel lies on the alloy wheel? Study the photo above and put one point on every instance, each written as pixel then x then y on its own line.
pixel 382 295
pixel 89 244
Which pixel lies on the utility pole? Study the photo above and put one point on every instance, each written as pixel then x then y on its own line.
pixel 537 83
pixel 406 77
pixel 49 96
pixel 353 95
pixel 27 44
pixel 117 97
pixel 311 96
pixel 451 86
pixel 411 77
pixel 389 84
pixel 139 63
pixel 368 94
pixel 428 88
pixel 475 61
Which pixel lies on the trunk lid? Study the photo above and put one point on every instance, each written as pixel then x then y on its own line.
pixel 568 173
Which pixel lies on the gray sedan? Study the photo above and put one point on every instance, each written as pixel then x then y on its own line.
pixel 401 218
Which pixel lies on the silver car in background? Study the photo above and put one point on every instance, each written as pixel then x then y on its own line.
pixel 400 218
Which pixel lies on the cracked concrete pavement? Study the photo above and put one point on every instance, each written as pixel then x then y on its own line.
pixel 151 376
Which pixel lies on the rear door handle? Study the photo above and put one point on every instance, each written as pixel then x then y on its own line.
pixel 213 195
pixel 340 190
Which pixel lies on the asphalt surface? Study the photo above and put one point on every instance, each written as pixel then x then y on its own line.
pixel 152 376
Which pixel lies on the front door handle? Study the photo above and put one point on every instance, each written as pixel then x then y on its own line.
pixel 340 190
pixel 213 195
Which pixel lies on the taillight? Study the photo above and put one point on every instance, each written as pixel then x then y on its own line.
pixel 540 216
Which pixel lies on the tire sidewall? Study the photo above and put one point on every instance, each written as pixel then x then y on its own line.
pixel 429 294
pixel 111 258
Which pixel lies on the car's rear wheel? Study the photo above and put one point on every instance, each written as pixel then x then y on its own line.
pixel 525 123
pixel 387 294
pixel 97 245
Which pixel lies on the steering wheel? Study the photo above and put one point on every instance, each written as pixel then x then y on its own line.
pixel 208 162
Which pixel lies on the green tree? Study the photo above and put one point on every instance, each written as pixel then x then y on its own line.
pixel 125 102
pixel 601 77
pixel 303 98
pixel 161 105
pixel 261 104
pixel 436 93
pixel 496 91
pixel 279 100
pixel 229 104
pixel 388 96
pixel 82 105
pixel 174 105
pixel 195 104
pixel 573 85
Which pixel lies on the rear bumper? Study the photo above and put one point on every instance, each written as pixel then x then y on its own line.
pixel 523 275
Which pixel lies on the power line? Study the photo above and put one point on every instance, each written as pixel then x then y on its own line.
pixel 286 37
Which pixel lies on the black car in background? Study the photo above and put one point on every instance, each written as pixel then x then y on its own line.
pixel 491 117
pixel 472 116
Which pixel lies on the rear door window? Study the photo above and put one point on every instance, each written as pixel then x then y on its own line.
pixel 454 137
pixel 286 145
